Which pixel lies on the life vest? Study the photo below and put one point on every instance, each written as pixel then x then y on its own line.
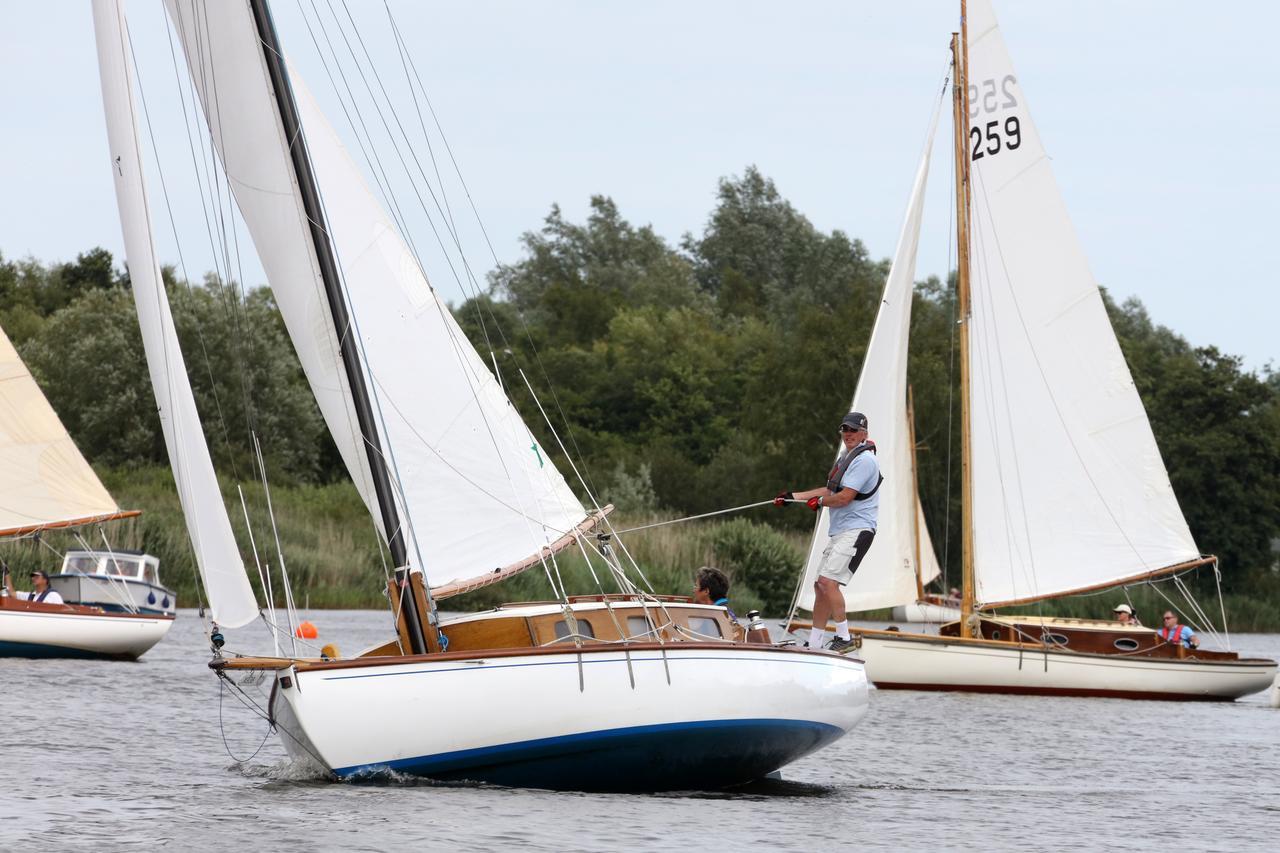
pixel 842 465
pixel 42 596
pixel 1172 635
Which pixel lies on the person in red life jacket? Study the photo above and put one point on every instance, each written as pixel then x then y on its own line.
pixel 39 580
pixel 1176 634
pixel 851 495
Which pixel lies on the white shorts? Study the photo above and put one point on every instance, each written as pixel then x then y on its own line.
pixel 844 554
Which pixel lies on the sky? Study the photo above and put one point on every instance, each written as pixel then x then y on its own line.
pixel 1162 121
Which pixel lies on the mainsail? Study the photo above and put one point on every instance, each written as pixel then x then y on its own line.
pixel 472 485
pixel 887 576
pixel 1069 489
pixel 231 597
pixel 44 481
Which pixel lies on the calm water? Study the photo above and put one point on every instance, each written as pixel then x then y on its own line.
pixel 107 756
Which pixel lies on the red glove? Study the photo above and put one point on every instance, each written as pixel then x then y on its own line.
pixel 783 497
pixel 814 503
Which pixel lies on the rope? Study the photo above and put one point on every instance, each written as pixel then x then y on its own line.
pixel 703 515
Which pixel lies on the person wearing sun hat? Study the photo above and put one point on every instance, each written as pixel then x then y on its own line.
pixel 1124 614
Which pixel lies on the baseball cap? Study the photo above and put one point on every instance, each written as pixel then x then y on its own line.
pixel 857 420
pixel 1122 608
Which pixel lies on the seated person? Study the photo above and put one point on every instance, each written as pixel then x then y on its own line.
pixel 1124 615
pixel 1176 634
pixel 711 586
pixel 41 593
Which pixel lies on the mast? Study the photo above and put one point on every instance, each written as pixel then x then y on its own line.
pixel 273 55
pixel 915 490
pixel 960 52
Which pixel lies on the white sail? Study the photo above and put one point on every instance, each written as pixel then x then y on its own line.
pixel 231 597
pixel 473 487
pixel 1069 489
pixel 44 481
pixel 231 80
pixel 887 575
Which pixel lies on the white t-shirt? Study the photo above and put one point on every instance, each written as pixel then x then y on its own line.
pixel 52 598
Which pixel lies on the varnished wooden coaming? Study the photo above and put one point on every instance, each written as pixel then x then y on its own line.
pixel 8 602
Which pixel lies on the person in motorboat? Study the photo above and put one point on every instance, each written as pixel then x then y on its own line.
pixel 1177 634
pixel 851 493
pixel 41 594
pixel 1125 616
pixel 711 586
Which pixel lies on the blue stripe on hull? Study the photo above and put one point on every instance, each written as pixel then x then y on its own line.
pixel 672 756
pixel 10 649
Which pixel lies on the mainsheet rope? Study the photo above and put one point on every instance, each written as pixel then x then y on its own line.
pixel 703 515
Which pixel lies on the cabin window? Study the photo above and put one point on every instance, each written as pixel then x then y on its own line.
pixel 123 568
pixel 584 629
pixel 639 627
pixel 1055 639
pixel 149 573
pixel 1127 644
pixel 84 563
pixel 704 626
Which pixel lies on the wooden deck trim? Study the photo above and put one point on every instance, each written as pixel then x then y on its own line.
pixel 566 648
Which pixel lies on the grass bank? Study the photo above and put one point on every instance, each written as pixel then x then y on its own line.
pixel 334 560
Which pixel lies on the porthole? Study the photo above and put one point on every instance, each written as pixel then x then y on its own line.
pixel 1127 644
pixel 1055 640
pixel 995 635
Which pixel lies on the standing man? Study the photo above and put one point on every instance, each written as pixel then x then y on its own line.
pixel 851 494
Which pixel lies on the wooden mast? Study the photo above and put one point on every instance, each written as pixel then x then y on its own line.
pixel 412 613
pixel 960 54
pixel 915 490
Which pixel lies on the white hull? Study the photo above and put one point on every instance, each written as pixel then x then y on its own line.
pixel 564 720
pixel 936 663
pixel 45 634
pixel 925 611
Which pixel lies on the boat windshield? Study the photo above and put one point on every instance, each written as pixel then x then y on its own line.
pixel 124 567
pixel 83 563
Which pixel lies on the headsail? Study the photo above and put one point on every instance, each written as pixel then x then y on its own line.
pixel 887 576
pixel 231 597
pixel 1069 489
pixel 473 486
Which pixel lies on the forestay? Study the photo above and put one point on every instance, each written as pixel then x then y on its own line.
pixel 231 597
pixel 887 575
pixel 474 488
pixel 1069 489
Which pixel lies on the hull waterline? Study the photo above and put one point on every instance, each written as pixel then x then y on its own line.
pixel 920 662
pixel 602 720
pixel 48 633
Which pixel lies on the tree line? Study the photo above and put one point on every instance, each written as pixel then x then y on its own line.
pixel 685 378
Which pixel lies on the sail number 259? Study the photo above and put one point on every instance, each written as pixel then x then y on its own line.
pixel 1012 137
pixel 991 137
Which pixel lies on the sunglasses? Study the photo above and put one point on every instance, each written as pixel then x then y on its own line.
pixel 849 429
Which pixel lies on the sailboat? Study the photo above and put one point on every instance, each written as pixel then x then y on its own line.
pixel 611 691
pixel 1064 489
pixel 46 484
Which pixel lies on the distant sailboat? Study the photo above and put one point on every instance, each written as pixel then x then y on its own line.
pixel 623 692
pixel 46 484
pixel 1064 489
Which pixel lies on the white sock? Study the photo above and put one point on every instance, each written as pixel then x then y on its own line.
pixel 842 630
pixel 815 638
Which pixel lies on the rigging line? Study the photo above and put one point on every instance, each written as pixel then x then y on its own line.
pixel 445 212
pixel 1070 434
pixel 374 161
pixel 696 517
pixel 989 346
pixel 208 82
pixel 951 380
pixel 222 729
pixel 567 423
pixel 164 191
